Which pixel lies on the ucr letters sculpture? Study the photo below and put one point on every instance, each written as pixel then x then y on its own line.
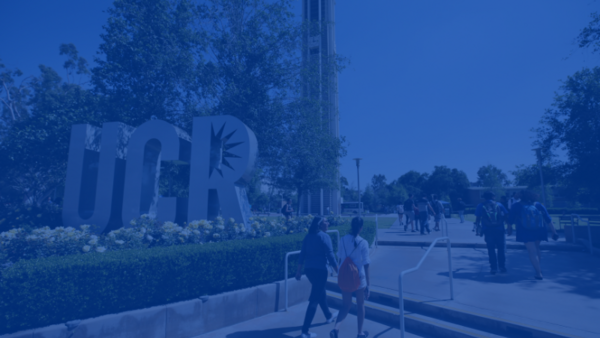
pixel 113 172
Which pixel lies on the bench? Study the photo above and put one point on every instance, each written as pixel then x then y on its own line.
pixel 594 220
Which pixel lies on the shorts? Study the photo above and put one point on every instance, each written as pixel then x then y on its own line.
pixel 410 216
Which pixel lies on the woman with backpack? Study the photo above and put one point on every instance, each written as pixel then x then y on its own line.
pixel 530 220
pixel 316 252
pixel 353 277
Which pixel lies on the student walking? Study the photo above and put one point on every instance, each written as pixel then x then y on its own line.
pixel 355 248
pixel 287 210
pixel 460 207
pixel 491 215
pixel 400 211
pixel 439 211
pixel 409 206
pixel 529 218
pixel 424 208
pixel 316 252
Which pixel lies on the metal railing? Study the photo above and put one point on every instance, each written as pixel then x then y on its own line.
pixel 376 230
pixel 287 255
pixel 445 233
pixel 573 216
pixel 400 280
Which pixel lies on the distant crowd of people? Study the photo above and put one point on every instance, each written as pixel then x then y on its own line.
pixel 418 212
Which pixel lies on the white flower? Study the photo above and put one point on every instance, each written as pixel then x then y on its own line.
pixel 100 249
pixel 196 232
pixel 143 230
pixel 231 220
pixel 120 242
pixel 221 227
pixel 31 237
pixel 132 222
pixel 267 234
pixel 216 235
pixel 144 216
pixel 150 238
pixel 93 241
pixel 86 248
pixel 85 227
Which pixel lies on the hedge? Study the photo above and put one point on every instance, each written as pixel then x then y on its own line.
pixel 40 292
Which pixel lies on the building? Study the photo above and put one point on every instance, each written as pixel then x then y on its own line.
pixel 320 48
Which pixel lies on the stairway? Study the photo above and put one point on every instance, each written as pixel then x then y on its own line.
pixel 425 319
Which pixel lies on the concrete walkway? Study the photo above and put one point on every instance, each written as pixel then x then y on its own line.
pixel 461 233
pixel 567 301
pixel 289 324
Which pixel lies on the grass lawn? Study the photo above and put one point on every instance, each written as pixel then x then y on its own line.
pixel 384 222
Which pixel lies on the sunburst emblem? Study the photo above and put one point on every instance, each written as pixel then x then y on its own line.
pixel 219 150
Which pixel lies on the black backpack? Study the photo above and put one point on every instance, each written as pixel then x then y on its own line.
pixel 408 205
pixel 491 214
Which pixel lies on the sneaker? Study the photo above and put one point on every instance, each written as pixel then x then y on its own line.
pixel 333 317
pixel 493 272
pixel 502 270
pixel 364 335
pixel 308 335
pixel 333 334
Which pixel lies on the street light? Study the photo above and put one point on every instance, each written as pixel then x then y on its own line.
pixel 358 175
pixel 539 163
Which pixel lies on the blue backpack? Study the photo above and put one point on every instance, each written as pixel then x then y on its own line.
pixel 531 218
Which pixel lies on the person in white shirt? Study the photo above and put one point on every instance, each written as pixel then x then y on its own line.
pixel 357 248
pixel 400 211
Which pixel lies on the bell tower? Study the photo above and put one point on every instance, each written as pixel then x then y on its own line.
pixel 319 42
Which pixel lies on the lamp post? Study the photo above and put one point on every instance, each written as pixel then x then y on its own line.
pixel 539 163
pixel 358 176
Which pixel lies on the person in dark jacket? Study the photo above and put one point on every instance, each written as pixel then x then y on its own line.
pixel 316 252
pixel 492 215
pixel 530 237
pixel 460 207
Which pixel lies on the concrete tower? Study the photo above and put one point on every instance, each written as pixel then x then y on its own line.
pixel 319 48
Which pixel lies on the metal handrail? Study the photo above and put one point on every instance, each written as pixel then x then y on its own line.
pixel 376 230
pixel 286 275
pixel 400 280
pixel 446 226
pixel 589 230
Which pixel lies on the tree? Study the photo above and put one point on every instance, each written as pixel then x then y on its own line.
pixel 447 183
pixel 13 97
pixel 151 62
pixel 573 124
pixel 413 182
pixel 492 177
pixel 34 151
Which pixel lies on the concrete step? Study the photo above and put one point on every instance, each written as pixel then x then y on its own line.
pixel 518 246
pixel 475 322
pixel 416 324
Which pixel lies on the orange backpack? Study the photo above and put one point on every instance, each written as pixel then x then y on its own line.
pixel 348 276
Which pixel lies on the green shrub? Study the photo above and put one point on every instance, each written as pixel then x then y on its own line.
pixel 46 291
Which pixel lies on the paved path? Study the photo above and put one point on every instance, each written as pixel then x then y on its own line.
pixel 566 301
pixel 460 233
pixel 289 324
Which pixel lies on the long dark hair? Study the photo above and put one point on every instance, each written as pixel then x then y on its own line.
pixel 314 226
pixel 357 224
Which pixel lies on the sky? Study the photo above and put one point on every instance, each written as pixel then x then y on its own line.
pixel 456 83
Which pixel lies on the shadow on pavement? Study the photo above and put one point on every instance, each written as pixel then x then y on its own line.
pixel 576 273
pixel 270 333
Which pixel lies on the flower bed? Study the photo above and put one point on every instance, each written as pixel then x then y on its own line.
pixel 143 232
pixel 45 291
